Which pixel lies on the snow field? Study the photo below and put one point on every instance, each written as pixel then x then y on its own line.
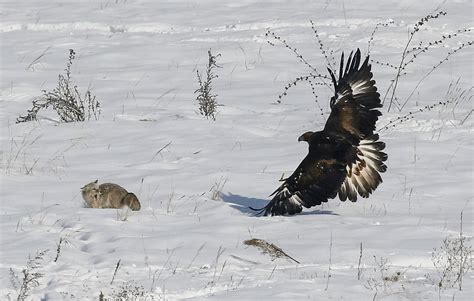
pixel 140 59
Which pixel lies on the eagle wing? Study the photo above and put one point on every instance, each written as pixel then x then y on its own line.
pixel 354 105
pixel 354 115
pixel 312 183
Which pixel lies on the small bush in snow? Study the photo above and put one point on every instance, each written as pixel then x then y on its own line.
pixel 384 276
pixel 216 189
pixel 30 278
pixel 205 97
pixel 453 260
pixel 128 291
pixel 65 100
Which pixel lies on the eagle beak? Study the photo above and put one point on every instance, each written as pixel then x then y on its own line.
pixel 301 138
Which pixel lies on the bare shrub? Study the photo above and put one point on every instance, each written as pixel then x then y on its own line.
pixel 412 52
pixel 456 96
pixel 65 100
pixel 453 260
pixel 206 99
pixel 314 78
pixel 384 275
pixel 30 278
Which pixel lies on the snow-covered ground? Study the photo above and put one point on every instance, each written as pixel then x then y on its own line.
pixel 140 60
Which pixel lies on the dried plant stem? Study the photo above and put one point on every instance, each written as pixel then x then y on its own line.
pixel 433 69
pixel 359 271
pixel 455 95
pixel 394 84
pixel 329 264
pixel 58 249
pixel 160 150
pixel 115 271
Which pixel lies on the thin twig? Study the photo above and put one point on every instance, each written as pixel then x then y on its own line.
pixel 36 60
pixel 330 261
pixel 159 151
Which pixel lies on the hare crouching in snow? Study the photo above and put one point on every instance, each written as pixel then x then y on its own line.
pixel 109 195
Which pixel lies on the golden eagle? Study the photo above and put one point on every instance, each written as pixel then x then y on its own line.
pixel 344 158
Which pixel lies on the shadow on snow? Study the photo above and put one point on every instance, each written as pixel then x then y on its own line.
pixel 242 203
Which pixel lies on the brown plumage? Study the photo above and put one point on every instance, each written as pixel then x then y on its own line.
pixel 345 158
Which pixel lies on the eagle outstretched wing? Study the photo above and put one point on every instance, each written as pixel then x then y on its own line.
pixel 354 114
pixel 344 158
pixel 354 105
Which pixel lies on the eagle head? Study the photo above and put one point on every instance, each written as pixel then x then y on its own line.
pixel 306 136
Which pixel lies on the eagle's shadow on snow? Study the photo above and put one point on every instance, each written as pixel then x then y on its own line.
pixel 242 203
